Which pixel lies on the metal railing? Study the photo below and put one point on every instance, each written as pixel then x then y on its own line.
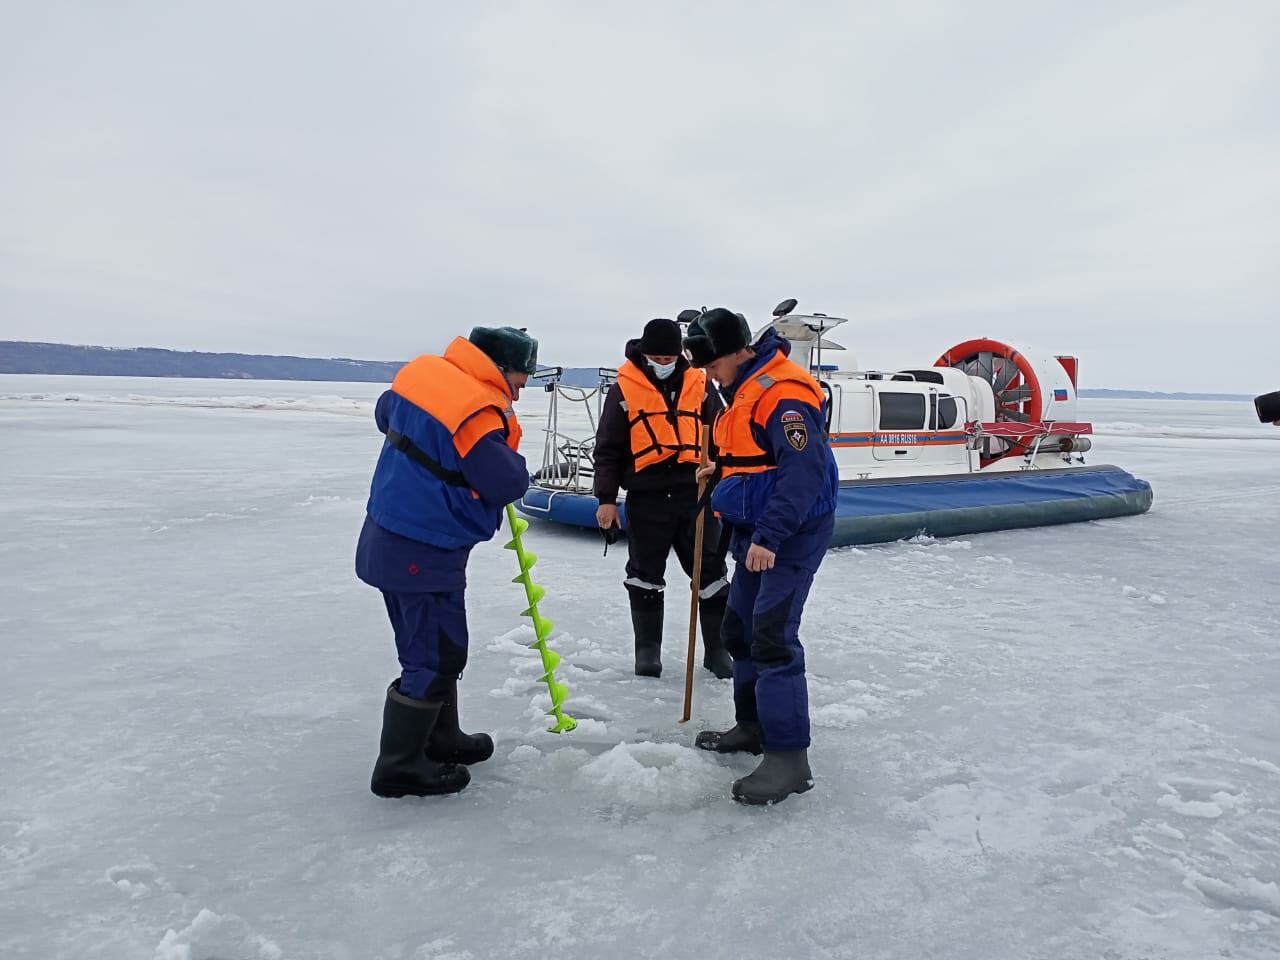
pixel 568 462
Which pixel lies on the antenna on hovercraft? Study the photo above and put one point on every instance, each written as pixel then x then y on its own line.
pixel 806 331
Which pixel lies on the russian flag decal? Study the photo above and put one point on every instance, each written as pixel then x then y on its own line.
pixel 1059 393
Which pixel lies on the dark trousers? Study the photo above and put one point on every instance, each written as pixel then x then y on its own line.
pixel 431 640
pixel 762 634
pixel 662 521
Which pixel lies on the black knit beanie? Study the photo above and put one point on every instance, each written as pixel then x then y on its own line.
pixel 661 338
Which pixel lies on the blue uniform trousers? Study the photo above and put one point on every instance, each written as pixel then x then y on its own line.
pixel 431 640
pixel 423 587
pixel 762 634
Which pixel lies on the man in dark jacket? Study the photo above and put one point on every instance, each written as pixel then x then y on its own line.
pixel 777 495
pixel 446 471
pixel 648 443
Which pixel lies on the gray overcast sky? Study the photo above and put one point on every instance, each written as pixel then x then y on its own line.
pixel 368 179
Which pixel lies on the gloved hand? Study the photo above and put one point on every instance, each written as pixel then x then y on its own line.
pixel 610 524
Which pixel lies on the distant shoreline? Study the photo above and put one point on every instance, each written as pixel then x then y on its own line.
pixel 32 358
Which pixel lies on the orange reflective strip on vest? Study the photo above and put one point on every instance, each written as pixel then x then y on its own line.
pixel 659 432
pixel 753 404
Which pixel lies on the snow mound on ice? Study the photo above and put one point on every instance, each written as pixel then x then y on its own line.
pixel 1245 893
pixel 644 772
pixel 214 937
pixel 837 716
pixel 135 880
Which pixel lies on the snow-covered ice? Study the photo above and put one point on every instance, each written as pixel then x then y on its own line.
pixel 1058 743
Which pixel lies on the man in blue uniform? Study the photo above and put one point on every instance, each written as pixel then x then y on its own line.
pixel 776 496
pixel 448 468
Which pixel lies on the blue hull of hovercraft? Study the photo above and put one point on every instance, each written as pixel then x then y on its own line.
pixel 888 509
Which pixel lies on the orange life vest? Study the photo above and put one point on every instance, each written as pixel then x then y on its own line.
pixel 659 431
pixel 465 391
pixel 753 404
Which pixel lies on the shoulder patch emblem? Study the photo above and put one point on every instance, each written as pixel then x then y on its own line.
pixel 797 435
pixel 792 416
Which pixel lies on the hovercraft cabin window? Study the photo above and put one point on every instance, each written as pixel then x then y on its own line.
pixel 902 411
pixel 948 413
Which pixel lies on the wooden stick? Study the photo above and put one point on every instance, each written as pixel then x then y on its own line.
pixel 696 581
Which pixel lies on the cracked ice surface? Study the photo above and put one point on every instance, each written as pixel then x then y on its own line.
pixel 1059 743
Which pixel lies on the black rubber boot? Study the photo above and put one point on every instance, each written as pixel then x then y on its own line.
pixel 403 769
pixel 780 774
pixel 647 622
pixel 714 656
pixel 743 737
pixel 448 744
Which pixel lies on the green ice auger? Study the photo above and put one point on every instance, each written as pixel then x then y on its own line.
pixel 542 627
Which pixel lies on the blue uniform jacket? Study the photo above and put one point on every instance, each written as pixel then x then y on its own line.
pixel 420 530
pixel 787 509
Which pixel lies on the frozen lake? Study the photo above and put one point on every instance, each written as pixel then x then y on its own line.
pixel 1058 743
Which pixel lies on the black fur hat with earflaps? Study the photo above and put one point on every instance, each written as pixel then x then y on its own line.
pixel 510 348
pixel 717 333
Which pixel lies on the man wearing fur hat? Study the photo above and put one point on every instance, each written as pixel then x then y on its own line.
pixel 648 443
pixel 776 495
pixel 446 471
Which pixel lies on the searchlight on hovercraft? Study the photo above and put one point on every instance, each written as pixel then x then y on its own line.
pixel 987 438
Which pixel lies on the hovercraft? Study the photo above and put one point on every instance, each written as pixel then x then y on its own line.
pixel 986 438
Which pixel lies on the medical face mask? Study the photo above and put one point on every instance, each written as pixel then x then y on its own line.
pixel 663 370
